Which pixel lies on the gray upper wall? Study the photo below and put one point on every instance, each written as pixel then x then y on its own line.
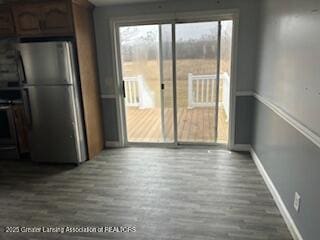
pixel 288 75
pixel 289 72
pixel 246 40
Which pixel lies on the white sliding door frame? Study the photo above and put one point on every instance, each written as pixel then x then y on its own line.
pixel 174 18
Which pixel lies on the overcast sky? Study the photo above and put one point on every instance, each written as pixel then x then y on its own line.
pixel 184 31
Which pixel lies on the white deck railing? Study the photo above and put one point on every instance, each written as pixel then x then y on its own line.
pixel 137 92
pixel 131 86
pixel 202 91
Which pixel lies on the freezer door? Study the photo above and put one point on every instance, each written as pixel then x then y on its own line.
pixel 54 133
pixel 46 63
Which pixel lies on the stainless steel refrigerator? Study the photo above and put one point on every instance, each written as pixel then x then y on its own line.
pixel 52 102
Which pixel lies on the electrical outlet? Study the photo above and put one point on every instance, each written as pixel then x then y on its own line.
pixel 297 200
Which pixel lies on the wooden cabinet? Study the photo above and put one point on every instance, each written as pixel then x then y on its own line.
pixel 50 18
pixel 6 22
pixel 56 18
pixel 27 19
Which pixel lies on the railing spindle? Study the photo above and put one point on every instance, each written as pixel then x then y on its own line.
pixel 135 92
pixel 207 87
pixel 202 90
pixel 197 91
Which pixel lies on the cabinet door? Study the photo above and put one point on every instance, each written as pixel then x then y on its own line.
pixel 57 18
pixel 27 19
pixel 6 22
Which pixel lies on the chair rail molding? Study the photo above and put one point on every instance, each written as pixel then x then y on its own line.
pixel 313 137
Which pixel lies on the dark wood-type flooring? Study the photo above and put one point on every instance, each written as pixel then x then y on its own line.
pixel 164 193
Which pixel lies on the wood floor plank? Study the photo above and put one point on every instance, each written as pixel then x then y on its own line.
pixel 151 128
pixel 194 125
pixel 169 124
pixel 194 132
pixel 153 131
pixel 135 128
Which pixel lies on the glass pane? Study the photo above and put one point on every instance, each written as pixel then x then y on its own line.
pixel 224 89
pixel 140 70
pixel 196 63
pixel 146 64
pixel 167 80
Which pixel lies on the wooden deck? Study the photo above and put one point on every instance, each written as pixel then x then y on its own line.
pixel 194 125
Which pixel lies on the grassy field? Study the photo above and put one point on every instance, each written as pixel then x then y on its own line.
pixel 150 70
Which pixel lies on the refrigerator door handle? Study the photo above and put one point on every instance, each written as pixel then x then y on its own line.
pixel 21 70
pixel 27 108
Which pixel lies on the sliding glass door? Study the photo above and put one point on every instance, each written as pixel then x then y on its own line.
pixel 176 92
pixel 197 54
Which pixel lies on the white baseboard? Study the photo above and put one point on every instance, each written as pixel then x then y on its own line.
pixel 277 198
pixel 241 147
pixel 112 144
